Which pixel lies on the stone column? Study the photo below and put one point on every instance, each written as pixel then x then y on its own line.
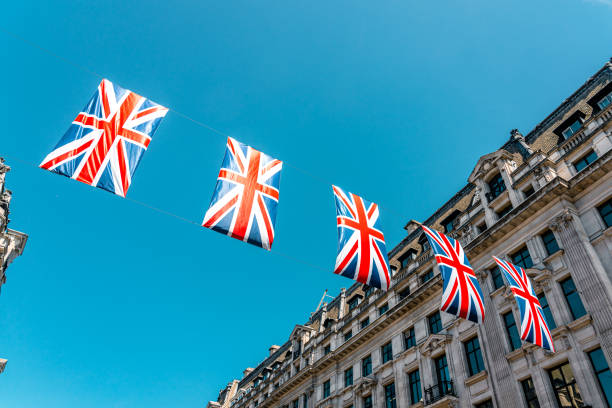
pixel 401 385
pixel 490 217
pixel 589 275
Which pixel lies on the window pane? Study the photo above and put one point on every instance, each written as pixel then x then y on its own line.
pixel 367 402
pixel 387 352
pixel 550 243
pixel 605 210
pixel 390 396
pixel 529 393
pixel 414 379
pixel 512 331
pixel 496 186
pixel 565 387
pixel 522 258
pixel 435 323
pixel 550 321
pixel 573 298
pixel 474 356
pixel 366 366
pixel 496 275
pixel 409 340
pixel 602 371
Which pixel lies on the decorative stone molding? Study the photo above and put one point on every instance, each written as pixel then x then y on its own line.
pixel 365 384
pixel 483 375
pixel 434 343
pixel 562 221
pixel 2 360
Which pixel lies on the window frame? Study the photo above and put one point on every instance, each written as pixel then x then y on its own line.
pixel 566 135
pixel 348 377
pixel 414 384
pixel 409 338
pixel 475 361
pixel 566 384
pixel 597 373
pixel 521 252
pixel 545 237
pixel 529 393
pixel 366 365
pixel 548 316
pixel 326 389
pixel 584 161
pixel 600 208
pixel 390 395
pixel 437 321
pixel 386 352
pixel 383 309
pixel 510 333
pixel 495 276
pixel 353 303
pixel 497 185
pixel 572 304
pixel 364 323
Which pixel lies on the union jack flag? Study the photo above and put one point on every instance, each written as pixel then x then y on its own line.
pixel 106 141
pixel 244 203
pixel 534 328
pixel 461 294
pixel 362 254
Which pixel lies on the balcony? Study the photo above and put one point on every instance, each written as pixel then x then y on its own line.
pixel 438 392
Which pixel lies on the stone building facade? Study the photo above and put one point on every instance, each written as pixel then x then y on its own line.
pixel 544 201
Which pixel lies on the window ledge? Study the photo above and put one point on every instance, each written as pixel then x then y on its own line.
pixel 580 322
pixel 476 378
pixel 554 255
pixel 498 201
pixel 382 367
pixel 516 354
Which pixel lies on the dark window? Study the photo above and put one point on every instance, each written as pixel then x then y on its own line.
pixel 474 356
pixel 435 323
pixel 450 222
pixel 348 335
pixel 383 309
pixel 407 257
pixel 365 322
pixel 366 366
pixel 529 392
pixel 550 321
pixel 409 340
pixel 573 298
pixel 387 352
pixel 605 102
pixel 369 290
pixel 327 350
pixel 496 187
pixel 326 389
pixel 528 191
pixel 504 211
pixel 424 242
pixel 348 377
pixel 390 396
pixel 295 403
pixel 427 276
pixel 486 404
pixel 442 374
pixel 496 276
pixel 605 210
pixel 585 160
pixel 480 228
pixel 353 303
pixel 602 371
pixel 414 380
pixel 565 387
pixel 512 331
pixel 404 293
pixel 550 243
pixel 305 401
pixel 256 402
pixel 522 258
pixel 571 129
pixel 367 402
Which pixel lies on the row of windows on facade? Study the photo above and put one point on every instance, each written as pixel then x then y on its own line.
pixel 561 378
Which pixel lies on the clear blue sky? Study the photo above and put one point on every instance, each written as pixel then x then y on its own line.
pixel 115 305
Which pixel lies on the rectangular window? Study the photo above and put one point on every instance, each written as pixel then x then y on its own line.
pixel 348 377
pixel 295 403
pixel 550 321
pixel 353 303
pixel 365 322
pixel 605 211
pixel 427 276
pixel 387 352
pixel 573 298
pixel 326 389
pixel 383 309
pixel 369 290
pixel 414 380
pixel 435 323
pixel 550 243
pixel 327 350
pixel 486 404
pixel 504 211
pixel 572 129
pixel 602 371
pixel 522 258
pixel 366 366
pixel 565 387
pixel 496 276
pixel 529 392
pixel 496 187
pixel 442 375
pixel 528 191
pixel 305 401
pixel 585 160
pixel 511 331
pixel 605 101
pixel 473 356
pixel 367 402
pixel 390 396
pixel 404 293
pixel 408 257
pixel 348 335
pixel 409 340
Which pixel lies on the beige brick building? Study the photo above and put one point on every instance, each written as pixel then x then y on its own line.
pixel 543 200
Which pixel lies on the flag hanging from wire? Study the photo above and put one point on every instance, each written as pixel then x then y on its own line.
pixel 106 141
pixel 245 199
pixel 534 328
pixel 461 294
pixel 362 253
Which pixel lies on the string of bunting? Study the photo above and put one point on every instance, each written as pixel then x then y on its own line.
pixel 109 136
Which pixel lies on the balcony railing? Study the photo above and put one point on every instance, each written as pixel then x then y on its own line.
pixel 439 391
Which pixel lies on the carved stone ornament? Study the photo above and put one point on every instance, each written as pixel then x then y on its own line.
pixel 434 343
pixel 562 221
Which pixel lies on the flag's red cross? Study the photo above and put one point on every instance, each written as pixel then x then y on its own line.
pixel 111 128
pixel 251 186
pixel 359 222
pixel 533 302
pixel 462 269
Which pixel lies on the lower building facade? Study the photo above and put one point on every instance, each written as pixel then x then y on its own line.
pixel 542 201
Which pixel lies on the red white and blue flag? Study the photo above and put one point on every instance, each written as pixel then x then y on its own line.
pixel 245 200
pixel 461 294
pixel 362 254
pixel 534 328
pixel 106 141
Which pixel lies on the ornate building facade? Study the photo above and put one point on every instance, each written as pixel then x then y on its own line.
pixel 542 201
